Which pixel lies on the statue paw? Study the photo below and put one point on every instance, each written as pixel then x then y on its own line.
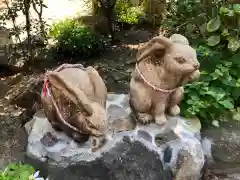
pixel 160 119
pixel 98 142
pixel 175 110
pixel 144 118
pixel 194 76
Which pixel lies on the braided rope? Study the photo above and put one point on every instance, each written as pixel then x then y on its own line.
pixel 151 85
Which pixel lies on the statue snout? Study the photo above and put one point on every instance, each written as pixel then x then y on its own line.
pixel 196 66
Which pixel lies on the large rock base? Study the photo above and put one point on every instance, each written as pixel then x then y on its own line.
pixel 148 152
pixel 127 160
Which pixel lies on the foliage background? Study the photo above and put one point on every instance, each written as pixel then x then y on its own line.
pixel 75 40
pixel 213 28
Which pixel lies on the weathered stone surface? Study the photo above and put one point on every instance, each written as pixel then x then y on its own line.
pixel 223 147
pixel 146 152
pixel 225 142
pixel 127 160
pixel 235 176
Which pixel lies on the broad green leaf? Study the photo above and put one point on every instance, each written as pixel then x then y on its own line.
pixel 216 92
pixel 190 101
pixel 213 40
pixel 214 24
pixel 227 104
pixel 233 44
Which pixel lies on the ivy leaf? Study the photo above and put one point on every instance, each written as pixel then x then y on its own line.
pixel 214 24
pixel 233 44
pixel 213 40
pixel 227 104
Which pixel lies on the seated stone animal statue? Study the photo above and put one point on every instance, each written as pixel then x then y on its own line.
pixel 74 100
pixel 163 66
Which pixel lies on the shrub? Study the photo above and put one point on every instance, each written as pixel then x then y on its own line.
pixel 128 13
pixel 216 94
pixel 19 171
pixel 75 40
pixel 215 35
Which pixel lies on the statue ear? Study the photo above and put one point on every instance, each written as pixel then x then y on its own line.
pixel 156 47
pixel 74 94
pixel 178 38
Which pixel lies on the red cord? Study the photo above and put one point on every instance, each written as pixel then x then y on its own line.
pixel 45 87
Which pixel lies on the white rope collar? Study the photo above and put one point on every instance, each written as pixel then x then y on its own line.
pixel 47 92
pixel 151 85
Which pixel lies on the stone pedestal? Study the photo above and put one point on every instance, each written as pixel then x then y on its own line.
pixel 144 152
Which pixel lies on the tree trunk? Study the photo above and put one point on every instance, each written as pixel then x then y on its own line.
pixel 111 24
pixel 40 19
pixel 155 11
pixel 107 7
pixel 27 4
pixel 95 7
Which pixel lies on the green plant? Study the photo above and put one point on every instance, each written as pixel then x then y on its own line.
pixel 216 94
pixel 128 13
pixel 217 24
pixel 75 40
pixel 224 29
pixel 215 35
pixel 19 171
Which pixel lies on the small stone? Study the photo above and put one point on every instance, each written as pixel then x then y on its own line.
pixel 49 139
pixel 215 123
pixel 167 154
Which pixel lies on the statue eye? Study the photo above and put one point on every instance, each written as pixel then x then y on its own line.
pixel 180 60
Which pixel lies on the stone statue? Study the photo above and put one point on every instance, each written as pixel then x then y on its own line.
pixel 163 66
pixel 74 101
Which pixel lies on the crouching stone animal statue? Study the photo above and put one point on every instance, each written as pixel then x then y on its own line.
pixel 163 66
pixel 74 100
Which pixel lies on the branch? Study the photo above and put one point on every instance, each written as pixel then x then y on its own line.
pixel 13 20
pixel 234 1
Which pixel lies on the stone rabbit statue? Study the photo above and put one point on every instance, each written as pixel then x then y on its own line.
pixel 74 100
pixel 163 66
